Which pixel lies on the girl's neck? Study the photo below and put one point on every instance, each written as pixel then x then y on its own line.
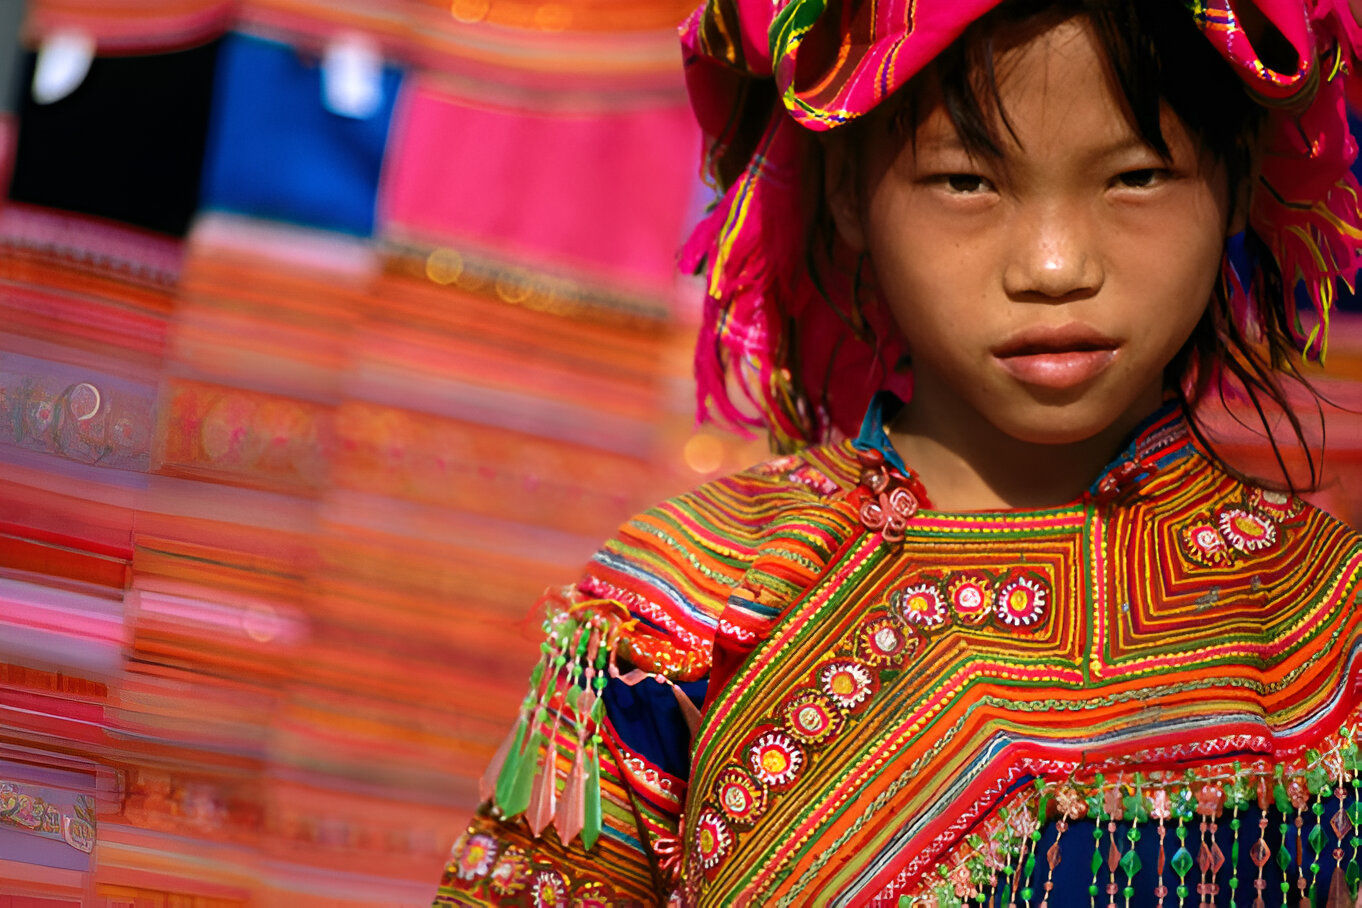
pixel 967 464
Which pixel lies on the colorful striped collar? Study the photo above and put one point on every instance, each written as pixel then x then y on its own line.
pixel 1159 441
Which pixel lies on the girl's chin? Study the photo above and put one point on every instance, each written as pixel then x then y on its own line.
pixel 1074 424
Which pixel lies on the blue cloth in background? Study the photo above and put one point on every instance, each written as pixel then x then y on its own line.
pixel 275 151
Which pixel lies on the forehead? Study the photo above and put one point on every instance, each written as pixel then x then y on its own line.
pixel 1050 90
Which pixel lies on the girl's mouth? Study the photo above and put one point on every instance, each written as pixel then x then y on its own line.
pixel 1057 358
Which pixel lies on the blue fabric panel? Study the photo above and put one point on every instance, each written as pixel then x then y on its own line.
pixel 649 721
pixel 275 151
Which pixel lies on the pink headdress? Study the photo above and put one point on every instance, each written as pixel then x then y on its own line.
pixel 743 67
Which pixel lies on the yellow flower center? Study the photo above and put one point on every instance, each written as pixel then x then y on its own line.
pixel 774 762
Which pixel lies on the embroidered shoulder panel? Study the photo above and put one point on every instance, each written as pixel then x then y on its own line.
pixel 893 711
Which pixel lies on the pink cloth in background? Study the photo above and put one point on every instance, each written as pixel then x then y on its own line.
pixel 613 207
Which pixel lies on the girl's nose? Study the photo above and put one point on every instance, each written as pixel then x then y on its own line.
pixel 1053 258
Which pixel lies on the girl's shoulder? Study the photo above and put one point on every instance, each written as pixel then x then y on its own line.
pixel 1279 544
pixel 676 564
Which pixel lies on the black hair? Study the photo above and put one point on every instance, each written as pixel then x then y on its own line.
pixel 1157 56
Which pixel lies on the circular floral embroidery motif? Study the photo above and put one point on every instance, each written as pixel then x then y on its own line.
pixel 1022 600
pixel 1281 505
pixel 1203 542
pixel 511 872
pixel 881 641
pixel 740 796
pixel 811 718
pixel 971 596
pixel 475 859
pixel 1246 531
pixel 711 839
pixel 775 758
pixel 549 889
pixel 848 683
pixel 921 604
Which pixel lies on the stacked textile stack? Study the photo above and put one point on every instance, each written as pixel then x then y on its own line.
pixel 334 334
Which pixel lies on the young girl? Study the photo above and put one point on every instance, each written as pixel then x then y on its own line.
pixel 1020 638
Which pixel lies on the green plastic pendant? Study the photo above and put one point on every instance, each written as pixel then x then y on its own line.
pixel 591 830
pixel 514 757
pixel 517 799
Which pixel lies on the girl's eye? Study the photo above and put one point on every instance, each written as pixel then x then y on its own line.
pixel 1143 178
pixel 966 183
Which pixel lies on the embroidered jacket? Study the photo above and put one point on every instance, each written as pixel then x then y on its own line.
pixel 1146 697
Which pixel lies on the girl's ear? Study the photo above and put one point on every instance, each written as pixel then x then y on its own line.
pixel 841 191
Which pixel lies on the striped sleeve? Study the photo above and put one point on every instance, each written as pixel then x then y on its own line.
pixel 581 804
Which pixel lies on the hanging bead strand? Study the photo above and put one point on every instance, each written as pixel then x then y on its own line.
pixel 1137 812
pixel 1043 798
pixel 1097 812
pixel 1352 766
pixel 1237 797
pixel 1160 809
pixel 1261 852
pixel 1184 808
pixel 1320 787
pixel 1070 806
pixel 1115 812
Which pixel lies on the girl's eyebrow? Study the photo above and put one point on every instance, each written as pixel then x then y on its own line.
pixel 943 141
pixel 1127 143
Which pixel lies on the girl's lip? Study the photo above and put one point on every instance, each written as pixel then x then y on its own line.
pixel 1073 337
pixel 1057 369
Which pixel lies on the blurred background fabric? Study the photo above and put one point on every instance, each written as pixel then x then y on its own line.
pixel 331 333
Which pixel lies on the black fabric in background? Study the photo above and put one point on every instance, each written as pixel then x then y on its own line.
pixel 11 17
pixel 127 144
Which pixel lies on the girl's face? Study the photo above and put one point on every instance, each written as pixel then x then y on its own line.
pixel 1043 293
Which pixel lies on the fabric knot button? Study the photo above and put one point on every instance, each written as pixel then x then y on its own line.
pixel 871 458
pixel 1118 481
pixel 889 513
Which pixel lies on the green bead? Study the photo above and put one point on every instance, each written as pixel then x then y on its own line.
pixel 1316 838
pixel 1234 882
pixel 1026 894
pixel 1353 874
pixel 1182 862
pixel 905 902
pixel 1092 890
pixel 1283 857
pixel 1182 892
pixel 1096 862
pixel 1128 891
pixel 1314 866
pixel 1130 863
